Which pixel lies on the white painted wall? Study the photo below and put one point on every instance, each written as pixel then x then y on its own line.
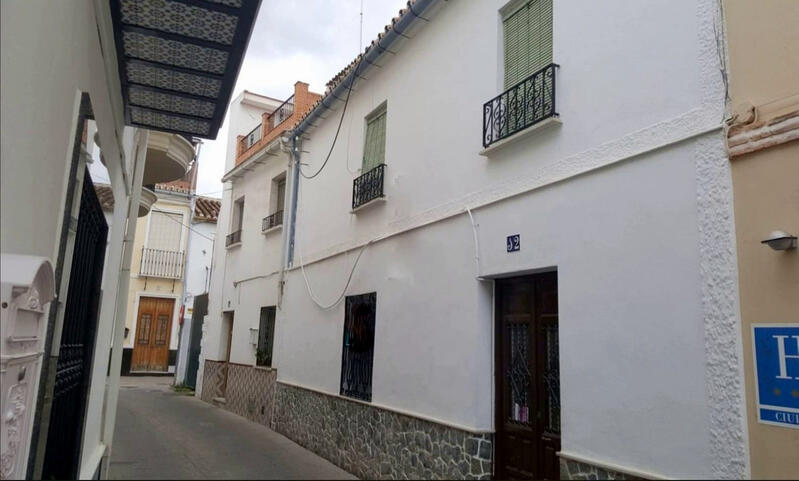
pixel 198 275
pixel 51 54
pixel 629 199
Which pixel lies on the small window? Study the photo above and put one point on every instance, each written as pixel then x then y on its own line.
pixel 165 230
pixel 236 221
pixel 358 350
pixel 374 148
pixel 527 39
pixel 266 337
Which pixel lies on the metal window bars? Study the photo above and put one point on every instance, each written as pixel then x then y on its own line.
pixel 368 186
pixel 233 238
pixel 271 221
pixel 280 114
pixel 521 106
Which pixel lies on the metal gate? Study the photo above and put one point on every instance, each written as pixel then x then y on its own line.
pixel 78 335
pixel 198 313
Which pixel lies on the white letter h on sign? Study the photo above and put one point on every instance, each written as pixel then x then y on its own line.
pixel 784 357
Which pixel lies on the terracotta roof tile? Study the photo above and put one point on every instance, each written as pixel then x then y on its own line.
pixel 206 209
pixel 105 195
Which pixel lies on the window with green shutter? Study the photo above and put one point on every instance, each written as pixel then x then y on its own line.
pixel 528 40
pixel 374 149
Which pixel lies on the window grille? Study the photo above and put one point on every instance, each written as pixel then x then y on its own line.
pixel 358 349
pixel 266 336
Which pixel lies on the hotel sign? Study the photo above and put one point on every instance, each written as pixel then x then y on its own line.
pixel 776 350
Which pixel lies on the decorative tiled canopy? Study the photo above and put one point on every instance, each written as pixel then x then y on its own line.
pixel 179 59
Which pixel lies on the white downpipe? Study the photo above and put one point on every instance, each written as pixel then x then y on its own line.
pixel 112 386
pixel 476 246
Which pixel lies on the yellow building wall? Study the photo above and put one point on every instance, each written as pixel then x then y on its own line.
pixel 766 191
pixel 153 286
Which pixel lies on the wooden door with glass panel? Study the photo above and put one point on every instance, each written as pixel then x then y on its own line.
pixel 153 326
pixel 528 386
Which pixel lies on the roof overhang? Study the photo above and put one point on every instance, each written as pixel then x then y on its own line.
pixel 178 60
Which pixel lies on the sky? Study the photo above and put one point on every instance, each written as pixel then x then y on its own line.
pixel 308 40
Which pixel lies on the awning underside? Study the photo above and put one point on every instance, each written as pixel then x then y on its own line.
pixel 178 60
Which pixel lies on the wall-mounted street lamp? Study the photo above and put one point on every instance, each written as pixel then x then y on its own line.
pixel 780 241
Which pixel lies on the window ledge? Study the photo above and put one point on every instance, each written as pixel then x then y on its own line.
pixel 264 368
pixel 234 245
pixel 376 200
pixel 272 229
pixel 551 121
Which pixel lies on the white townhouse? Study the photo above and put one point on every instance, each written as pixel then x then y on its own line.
pixel 518 260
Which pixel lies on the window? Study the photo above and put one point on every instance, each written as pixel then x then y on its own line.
pixel 374 148
pixel 235 223
pixel 277 198
pixel 266 337
pixel 527 39
pixel 358 350
pixel 281 194
pixel 165 230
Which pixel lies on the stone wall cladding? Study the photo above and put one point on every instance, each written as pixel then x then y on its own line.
pixel 374 443
pixel 570 469
pixel 212 380
pixel 250 393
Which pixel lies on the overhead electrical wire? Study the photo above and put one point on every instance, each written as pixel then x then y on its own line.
pixel 340 121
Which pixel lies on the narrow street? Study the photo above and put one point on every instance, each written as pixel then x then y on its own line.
pixel 161 434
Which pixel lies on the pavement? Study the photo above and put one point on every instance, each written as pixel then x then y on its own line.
pixel 161 434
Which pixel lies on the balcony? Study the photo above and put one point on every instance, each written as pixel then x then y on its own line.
pixel 146 200
pixel 168 158
pixel 161 263
pixel 281 114
pixel 368 187
pixel 233 239
pixel 272 221
pixel 528 103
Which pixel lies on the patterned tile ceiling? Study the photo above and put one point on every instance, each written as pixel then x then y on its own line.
pixel 178 60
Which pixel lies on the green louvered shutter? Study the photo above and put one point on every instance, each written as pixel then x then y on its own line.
pixel 374 150
pixel 528 40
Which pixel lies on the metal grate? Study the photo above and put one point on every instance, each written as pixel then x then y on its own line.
pixel 368 186
pixel 271 221
pixel 552 379
pixel 518 373
pixel 358 351
pixel 281 114
pixel 233 238
pixel 251 138
pixel 521 106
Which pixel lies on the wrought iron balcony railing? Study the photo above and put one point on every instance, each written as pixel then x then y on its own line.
pixel 271 221
pixel 368 186
pixel 233 238
pixel 161 263
pixel 521 106
pixel 281 113
pixel 250 139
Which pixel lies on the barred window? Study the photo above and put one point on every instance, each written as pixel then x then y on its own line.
pixel 358 350
pixel 266 337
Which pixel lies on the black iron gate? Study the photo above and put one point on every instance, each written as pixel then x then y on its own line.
pixel 78 335
pixel 198 313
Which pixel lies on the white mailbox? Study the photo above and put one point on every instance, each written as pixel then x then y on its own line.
pixel 27 286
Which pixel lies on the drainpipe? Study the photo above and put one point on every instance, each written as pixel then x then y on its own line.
pixel 112 386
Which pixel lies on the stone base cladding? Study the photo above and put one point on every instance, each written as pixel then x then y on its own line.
pixel 250 390
pixel 571 469
pixel 374 443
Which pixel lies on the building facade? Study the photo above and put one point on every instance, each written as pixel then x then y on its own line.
pixel 516 262
pixel 763 146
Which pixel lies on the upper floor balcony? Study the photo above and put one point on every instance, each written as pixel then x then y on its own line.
pixel 274 123
pixel 161 263
pixel 526 104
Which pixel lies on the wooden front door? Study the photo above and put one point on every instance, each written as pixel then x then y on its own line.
pixel 527 377
pixel 153 326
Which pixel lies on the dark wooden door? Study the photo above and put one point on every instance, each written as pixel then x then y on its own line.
pixel 153 326
pixel 527 377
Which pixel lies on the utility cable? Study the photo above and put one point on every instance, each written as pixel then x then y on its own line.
pixel 308 283
pixel 340 121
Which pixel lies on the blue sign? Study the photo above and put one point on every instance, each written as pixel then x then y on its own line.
pixel 514 242
pixel 776 348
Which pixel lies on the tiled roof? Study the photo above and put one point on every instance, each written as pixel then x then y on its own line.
pixel 105 195
pixel 339 77
pixel 206 209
